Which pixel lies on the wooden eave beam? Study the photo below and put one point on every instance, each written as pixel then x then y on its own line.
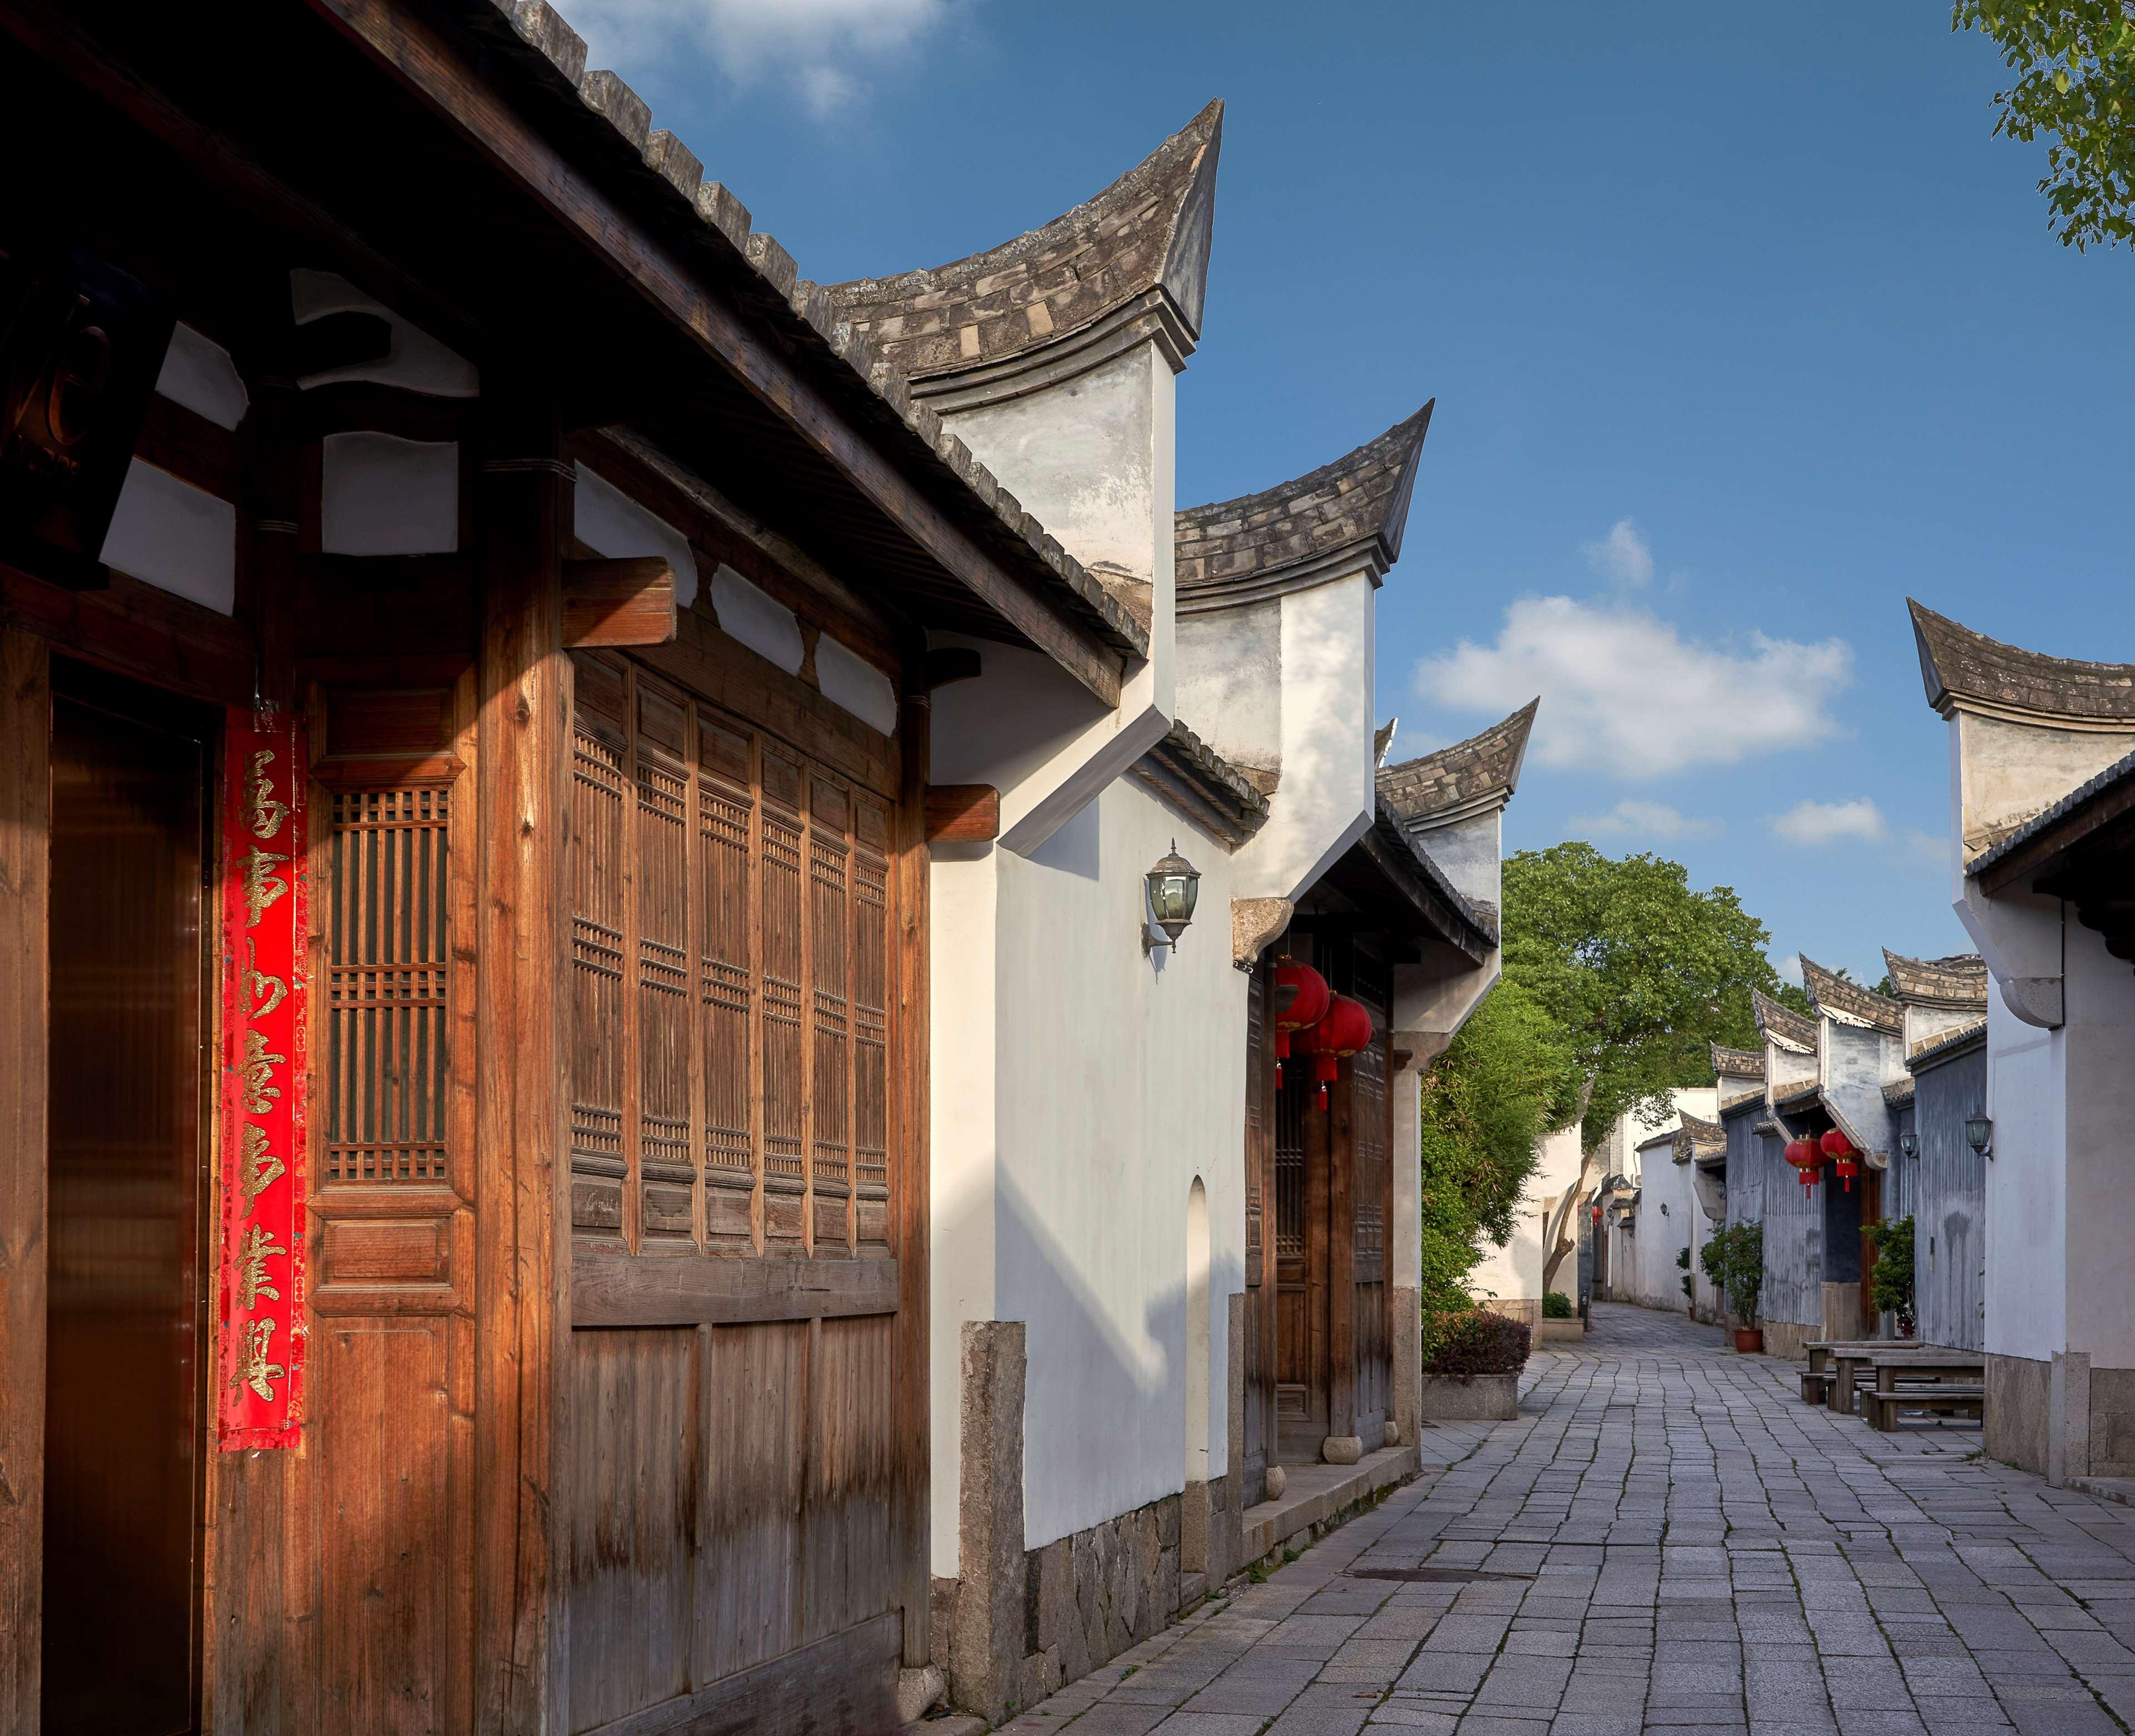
pixel 439 74
pixel 626 601
pixel 1406 886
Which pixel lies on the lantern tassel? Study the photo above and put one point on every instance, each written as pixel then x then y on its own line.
pixel 1323 1099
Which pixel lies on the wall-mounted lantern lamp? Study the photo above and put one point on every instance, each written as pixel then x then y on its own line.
pixel 1979 1135
pixel 1174 884
pixel 1664 1208
pixel 1909 1144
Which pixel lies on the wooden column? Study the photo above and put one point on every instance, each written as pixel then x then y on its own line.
pixel 1341 1262
pixel 522 1226
pixel 910 1065
pixel 25 782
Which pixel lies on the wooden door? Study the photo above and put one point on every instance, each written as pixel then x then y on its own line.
pixel 1870 1184
pixel 1300 1250
pixel 1369 1134
pixel 745 1469
pixel 125 1333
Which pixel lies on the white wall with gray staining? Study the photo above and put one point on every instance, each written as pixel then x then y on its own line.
pixel 1946 1196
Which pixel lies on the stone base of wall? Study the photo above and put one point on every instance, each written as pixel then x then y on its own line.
pixel 1784 1338
pixel 2015 1431
pixel 1525 1309
pixel 1088 1597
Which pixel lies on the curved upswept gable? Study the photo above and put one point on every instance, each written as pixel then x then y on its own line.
pixel 1462 779
pixel 1142 242
pixel 1957 983
pixel 1848 1001
pixel 1239 550
pixel 1959 665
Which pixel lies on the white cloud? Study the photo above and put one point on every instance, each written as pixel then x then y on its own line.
pixel 1789 968
pixel 1623 692
pixel 1813 825
pixel 1623 555
pixel 1930 847
pixel 817 43
pixel 1643 820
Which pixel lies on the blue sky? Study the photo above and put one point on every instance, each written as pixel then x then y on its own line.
pixel 1742 327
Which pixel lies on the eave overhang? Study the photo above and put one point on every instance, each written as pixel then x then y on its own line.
pixel 1949 1046
pixel 1781 1024
pixel 1849 1003
pixel 1393 884
pixel 490 157
pixel 2097 816
pixel 1953 984
pixel 1963 670
pixel 1185 772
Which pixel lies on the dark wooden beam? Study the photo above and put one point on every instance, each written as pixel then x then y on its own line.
pixel 629 601
pixel 611 1287
pixel 2039 857
pixel 950 664
pixel 962 813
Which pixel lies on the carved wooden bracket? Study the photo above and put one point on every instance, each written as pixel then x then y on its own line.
pixel 1254 922
pixel 626 602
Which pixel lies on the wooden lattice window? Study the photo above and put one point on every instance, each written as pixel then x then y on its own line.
pixel 1256 1084
pixel 386 1055
pixel 742 1105
pixel 1290 1106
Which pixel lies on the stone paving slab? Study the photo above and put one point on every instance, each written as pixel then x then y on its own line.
pixel 1698 1551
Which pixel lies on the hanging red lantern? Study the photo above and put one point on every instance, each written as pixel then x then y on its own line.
pixel 1300 998
pixel 1346 1028
pixel 1846 1161
pixel 1808 1160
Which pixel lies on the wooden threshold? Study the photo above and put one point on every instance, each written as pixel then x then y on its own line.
pixel 846 1682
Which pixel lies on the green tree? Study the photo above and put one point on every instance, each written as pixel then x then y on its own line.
pixel 2075 62
pixel 1508 1080
pixel 1640 972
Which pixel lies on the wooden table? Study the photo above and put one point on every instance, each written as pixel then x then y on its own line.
pixel 1849 1361
pixel 1962 1386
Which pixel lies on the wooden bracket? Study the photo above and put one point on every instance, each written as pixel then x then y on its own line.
pixel 626 602
pixel 962 813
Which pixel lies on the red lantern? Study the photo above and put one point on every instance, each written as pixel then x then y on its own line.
pixel 1346 1028
pixel 1808 1160
pixel 1301 995
pixel 1846 1162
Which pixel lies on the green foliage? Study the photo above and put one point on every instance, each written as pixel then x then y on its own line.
pixel 1480 1342
pixel 1640 971
pixel 1734 1259
pixel 1682 1259
pixel 1556 1305
pixel 2075 62
pixel 1508 1079
pixel 1890 1283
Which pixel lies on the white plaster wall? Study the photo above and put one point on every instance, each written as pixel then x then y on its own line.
pixel 2099 1047
pixel 1079 1088
pixel 2026 1186
pixel 178 538
pixel 1230 680
pixel 1093 458
pixel 1328 798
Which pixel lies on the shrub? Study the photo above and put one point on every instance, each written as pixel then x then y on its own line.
pixel 1556 1305
pixel 1734 1259
pixel 1682 1259
pixel 1890 1284
pixel 1480 1343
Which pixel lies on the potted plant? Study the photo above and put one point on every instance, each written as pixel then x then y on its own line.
pixel 1890 1284
pixel 1560 1320
pixel 1745 1279
pixel 1471 1373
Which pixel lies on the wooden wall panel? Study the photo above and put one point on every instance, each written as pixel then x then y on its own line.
pixel 637 1468
pixel 851 1567
pixel 25 729
pixel 748 1571
pixel 383 1525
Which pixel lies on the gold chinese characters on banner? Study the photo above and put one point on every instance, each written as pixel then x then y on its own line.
pixel 266 1003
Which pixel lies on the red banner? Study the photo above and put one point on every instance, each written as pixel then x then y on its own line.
pixel 266 1008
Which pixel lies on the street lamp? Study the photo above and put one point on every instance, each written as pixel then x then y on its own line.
pixel 1979 1134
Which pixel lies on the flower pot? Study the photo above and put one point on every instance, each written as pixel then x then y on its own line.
pixel 1749 1340
pixel 1473 1398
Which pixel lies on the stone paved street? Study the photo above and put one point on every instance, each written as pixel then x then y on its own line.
pixel 1680 1544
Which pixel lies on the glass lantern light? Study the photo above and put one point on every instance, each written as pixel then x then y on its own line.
pixel 1174 884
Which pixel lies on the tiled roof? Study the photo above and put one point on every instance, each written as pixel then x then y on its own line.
pixel 1234 550
pixel 1737 1063
pixel 1956 981
pixel 1464 778
pixel 1829 992
pixel 1698 1138
pixel 1957 663
pixel 1147 231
